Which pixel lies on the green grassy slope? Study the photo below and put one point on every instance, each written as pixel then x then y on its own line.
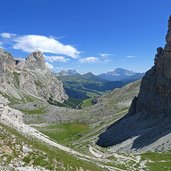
pixel 83 87
pixel 158 161
pixel 65 132
pixel 41 155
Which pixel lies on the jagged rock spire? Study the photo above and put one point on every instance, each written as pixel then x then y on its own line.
pixel 147 126
pixel 163 56
pixel 35 60
pixel 168 36
pixel 155 92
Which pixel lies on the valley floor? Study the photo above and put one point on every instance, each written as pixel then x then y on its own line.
pixel 69 144
pixel 90 156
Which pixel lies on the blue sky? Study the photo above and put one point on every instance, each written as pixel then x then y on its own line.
pixel 86 35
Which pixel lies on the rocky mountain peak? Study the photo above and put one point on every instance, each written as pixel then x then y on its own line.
pixel 7 63
pixel 168 36
pixel 30 76
pixel 147 124
pixel 155 92
pixel 163 56
pixel 89 74
pixel 35 60
pixel 120 74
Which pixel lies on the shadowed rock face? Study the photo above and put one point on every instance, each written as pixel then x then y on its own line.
pixel 168 36
pixel 149 117
pixel 30 76
pixel 155 92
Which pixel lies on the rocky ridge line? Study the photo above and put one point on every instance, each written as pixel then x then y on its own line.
pixel 29 77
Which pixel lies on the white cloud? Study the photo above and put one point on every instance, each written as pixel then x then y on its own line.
pixel 105 55
pixel 56 58
pixel 131 56
pixel 30 43
pixel 94 60
pixel 65 68
pixel 58 69
pixel 7 35
pixel 89 60
pixel 49 65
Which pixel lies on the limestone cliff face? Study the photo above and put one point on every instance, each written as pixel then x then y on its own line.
pixel 7 63
pixel 30 76
pixel 7 67
pixel 147 126
pixel 155 92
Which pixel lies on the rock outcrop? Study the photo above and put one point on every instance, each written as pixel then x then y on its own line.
pixel 7 62
pixel 155 92
pixel 29 77
pixel 147 126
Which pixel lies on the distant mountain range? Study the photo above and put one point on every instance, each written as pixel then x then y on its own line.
pixel 116 75
pixel 121 74
pixel 87 86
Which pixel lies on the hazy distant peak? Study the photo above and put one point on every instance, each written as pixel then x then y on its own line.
pixel 68 72
pixel 117 74
pixel 121 71
pixel 89 74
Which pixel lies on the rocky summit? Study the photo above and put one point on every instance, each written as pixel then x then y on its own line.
pixel 155 94
pixel 147 126
pixel 30 77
